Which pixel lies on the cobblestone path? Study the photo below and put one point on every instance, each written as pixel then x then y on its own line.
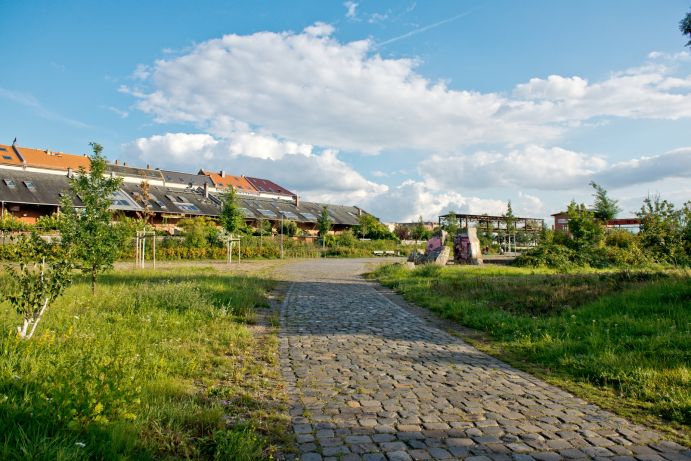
pixel 369 380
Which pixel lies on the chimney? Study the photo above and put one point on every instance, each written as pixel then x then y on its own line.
pixel 148 167
pixel 222 173
pixel 359 211
pixel 296 200
pixel 124 163
pixel 117 162
pixel 206 190
pixel 69 171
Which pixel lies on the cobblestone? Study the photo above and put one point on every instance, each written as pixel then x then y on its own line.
pixel 371 380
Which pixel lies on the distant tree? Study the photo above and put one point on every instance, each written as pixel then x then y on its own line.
pixel 231 217
pixel 604 207
pixel 199 232
pixel 685 27
pixel 510 219
pixel 584 229
pixel 419 232
pixel 289 228
pixel 42 275
pixel 402 232
pixel 324 224
pixel 663 229
pixel 451 225
pixel 94 241
pixel 146 214
pixel 371 228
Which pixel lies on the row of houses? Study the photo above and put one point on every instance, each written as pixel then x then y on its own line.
pixel 33 182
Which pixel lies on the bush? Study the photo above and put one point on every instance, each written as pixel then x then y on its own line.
pixel 549 255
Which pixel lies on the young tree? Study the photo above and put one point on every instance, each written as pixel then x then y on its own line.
pixel 662 230
pixel 605 207
pixel 147 214
pixel 324 224
pixel 88 231
pixel 231 217
pixel 510 219
pixel 43 274
pixel 419 232
pixel 584 229
pixel 685 27
pixel 451 225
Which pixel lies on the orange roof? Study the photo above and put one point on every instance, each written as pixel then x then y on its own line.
pixel 238 182
pixel 53 160
pixel 8 156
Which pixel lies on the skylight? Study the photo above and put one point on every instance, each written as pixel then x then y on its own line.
pixel 10 183
pixel 187 206
pixel 30 185
pixel 7 157
pixel 289 214
pixel 309 216
pixel 267 213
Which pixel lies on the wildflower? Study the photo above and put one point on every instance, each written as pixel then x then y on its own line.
pixel 80 444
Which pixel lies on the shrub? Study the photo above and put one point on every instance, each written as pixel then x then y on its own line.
pixel 549 255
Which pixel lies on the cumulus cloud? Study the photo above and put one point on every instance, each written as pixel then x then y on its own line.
pixel 310 88
pixel 537 167
pixel 412 199
pixel 322 175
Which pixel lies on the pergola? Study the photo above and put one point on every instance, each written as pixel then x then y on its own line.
pixel 489 223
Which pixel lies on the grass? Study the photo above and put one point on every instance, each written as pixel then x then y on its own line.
pixel 164 365
pixel 620 339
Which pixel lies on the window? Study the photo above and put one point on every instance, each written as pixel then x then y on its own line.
pixel 7 157
pixel 267 213
pixel 309 216
pixel 155 201
pixel 3 149
pixel 120 202
pixel 289 214
pixel 187 207
pixel 30 185
pixel 246 212
pixel 10 183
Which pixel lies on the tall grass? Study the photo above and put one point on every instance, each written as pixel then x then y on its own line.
pixel 156 365
pixel 626 333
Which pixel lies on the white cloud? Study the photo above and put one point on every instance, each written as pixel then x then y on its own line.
pixel 537 167
pixel 312 89
pixel 351 9
pixel 322 176
pixel 532 167
pixel 412 199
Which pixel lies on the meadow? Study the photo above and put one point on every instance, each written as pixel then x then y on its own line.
pixel 621 339
pixel 173 364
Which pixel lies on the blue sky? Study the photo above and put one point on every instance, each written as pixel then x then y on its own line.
pixel 404 108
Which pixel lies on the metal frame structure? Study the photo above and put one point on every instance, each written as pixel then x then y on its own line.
pixel 230 241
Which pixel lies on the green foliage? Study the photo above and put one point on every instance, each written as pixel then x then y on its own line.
pixel 94 240
pixel 663 230
pixel 8 223
pixel 231 217
pixel 624 333
pixel 451 225
pixel 402 232
pixel 48 223
pixel 584 230
pixel 200 232
pixel 370 227
pixel 419 232
pixel 605 207
pixel 288 227
pixel 42 276
pixel 324 223
pixel 148 368
pixel 346 239
pixel 685 27
pixel 510 218
pixel 548 255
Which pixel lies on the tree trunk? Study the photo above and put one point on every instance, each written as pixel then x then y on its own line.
pixel 93 281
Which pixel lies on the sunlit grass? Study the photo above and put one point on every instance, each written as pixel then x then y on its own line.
pixel 156 365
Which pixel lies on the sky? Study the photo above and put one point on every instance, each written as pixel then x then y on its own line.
pixel 405 109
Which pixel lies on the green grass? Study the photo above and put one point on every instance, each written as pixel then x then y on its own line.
pixel 164 365
pixel 622 339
